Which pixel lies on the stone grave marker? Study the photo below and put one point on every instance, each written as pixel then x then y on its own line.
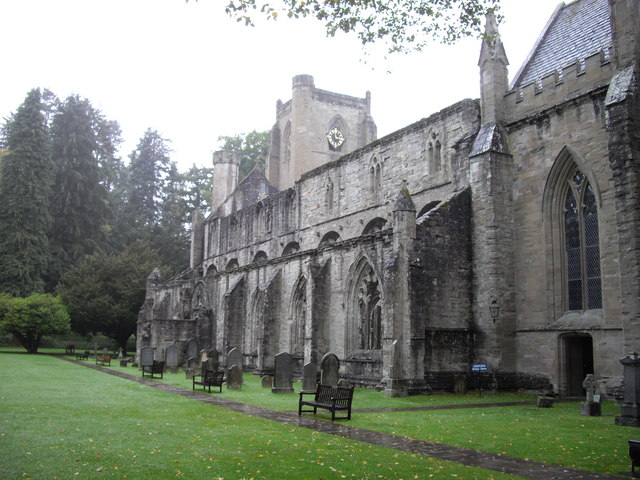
pixel 214 356
pixel 146 356
pixel 309 377
pixel 192 367
pixel 629 411
pixel 283 376
pixel 329 368
pixel 192 348
pixel 591 408
pixel 171 358
pixel 267 381
pixel 210 364
pixel 234 377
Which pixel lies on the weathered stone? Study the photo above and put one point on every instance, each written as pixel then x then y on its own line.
pixel 329 370
pixel 146 356
pixel 171 358
pixel 234 378
pixel 309 377
pixel 545 402
pixel 267 381
pixel 283 374
pixel 234 357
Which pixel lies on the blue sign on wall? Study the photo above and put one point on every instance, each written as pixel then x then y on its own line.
pixel 479 367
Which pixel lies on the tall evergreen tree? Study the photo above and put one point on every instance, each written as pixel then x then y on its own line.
pixel 80 204
pixel 148 170
pixel 25 186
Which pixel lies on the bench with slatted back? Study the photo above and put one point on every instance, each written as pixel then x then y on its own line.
pixel 330 398
pixel 156 368
pixel 210 378
pixel 104 359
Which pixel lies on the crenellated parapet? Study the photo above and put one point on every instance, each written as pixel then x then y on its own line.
pixel 557 86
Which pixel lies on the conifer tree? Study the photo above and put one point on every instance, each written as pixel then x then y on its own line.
pixel 80 202
pixel 25 186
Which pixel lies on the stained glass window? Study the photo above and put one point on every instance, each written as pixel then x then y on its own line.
pixel 582 245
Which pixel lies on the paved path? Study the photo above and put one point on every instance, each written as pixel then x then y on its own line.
pixel 464 456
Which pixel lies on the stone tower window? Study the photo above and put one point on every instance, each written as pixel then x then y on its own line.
pixel 328 195
pixel 286 143
pixel 375 177
pixel 582 245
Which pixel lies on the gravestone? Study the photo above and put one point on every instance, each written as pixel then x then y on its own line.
pixel 544 401
pixel 267 381
pixel 234 378
pixel 343 383
pixel 283 376
pixel 191 368
pixel 460 384
pixel 210 364
pixel 630 412
pixel 329 368
pixel 146 356
pixel 234 357
pixel 105 351
pixel 192 348
pixel 309 377
pixel 214 355
pixel 171 360
pixel 591 408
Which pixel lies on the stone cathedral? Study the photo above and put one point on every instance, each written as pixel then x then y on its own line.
pixel 502 232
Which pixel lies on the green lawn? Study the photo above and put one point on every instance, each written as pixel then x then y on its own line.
pixel 62 421
pixel 68 421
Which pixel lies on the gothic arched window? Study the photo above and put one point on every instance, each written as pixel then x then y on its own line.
pixel 582 245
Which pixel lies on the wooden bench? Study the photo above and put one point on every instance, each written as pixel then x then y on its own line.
pixel 210 378
pixel 634 454
pixel 83 356
pixel 104 359
pixel 156 368
pixel 70 349
pixel 330 398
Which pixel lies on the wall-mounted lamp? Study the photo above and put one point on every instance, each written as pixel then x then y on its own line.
pixel 494 310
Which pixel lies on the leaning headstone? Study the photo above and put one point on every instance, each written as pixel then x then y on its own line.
pixel 283 376
pixel 171 358
pixel 234 378
pixel 329 368
pixel 192 348
pixel 591 408
pixel 146 356
pixel 234 357
pixel 309 377
pixel 267 381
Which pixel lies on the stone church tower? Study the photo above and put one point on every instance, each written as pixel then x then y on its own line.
pixel 315 127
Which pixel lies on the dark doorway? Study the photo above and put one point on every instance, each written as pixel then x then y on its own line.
pixel 578 362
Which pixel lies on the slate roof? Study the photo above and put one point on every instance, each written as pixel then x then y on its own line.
pixel 575 31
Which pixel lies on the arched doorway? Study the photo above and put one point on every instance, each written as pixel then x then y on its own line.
pixel 578 362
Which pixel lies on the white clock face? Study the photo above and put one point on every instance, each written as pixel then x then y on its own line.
pixel 335 138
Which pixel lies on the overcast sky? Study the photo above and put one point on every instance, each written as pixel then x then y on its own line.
pixel 193 74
